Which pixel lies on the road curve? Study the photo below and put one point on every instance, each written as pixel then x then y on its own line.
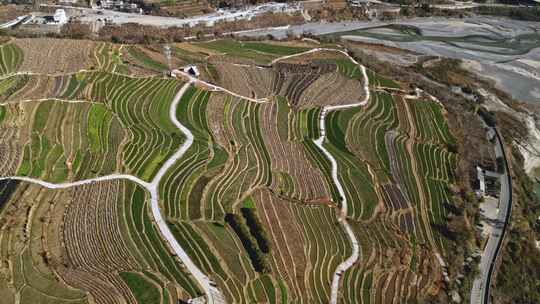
pixel 342 217
pixel 214 296
pixel 344 207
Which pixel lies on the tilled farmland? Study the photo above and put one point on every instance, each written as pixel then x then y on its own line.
pixel 122 185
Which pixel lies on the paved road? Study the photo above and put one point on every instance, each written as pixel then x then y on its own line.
pixel 480 293
pixel 214 296
pixel 342 218
pixel 343 213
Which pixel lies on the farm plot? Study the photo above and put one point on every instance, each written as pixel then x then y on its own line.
pixel 11 150
pixel 182 9
pixel 68 244
pixel 55 56
pixel 307 85
pixel 232 155
pixel 144 60
pixel 245 80
pixel 235 125
pixel 251 201
pixel 11 58
pixel 183 187
pixel 305 244
pixel 186 53
pixel 378 81
pixel 108 58
pixel 227 254
pixel 141 105
pixel 392 269
pixel 294 176
pixel 430 122
pixel 355 137
pixel 258 52
pixel 62 141
pixel 308 245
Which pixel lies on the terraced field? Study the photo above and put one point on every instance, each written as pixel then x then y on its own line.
pixel 61 141
pixel 133 111
pixel 90 238
pixel 11 57
pixel 252 200
pixel 397 176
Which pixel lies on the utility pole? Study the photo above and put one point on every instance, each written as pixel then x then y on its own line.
pixel 167 52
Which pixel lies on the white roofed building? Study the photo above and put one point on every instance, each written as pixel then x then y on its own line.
pixel 60 16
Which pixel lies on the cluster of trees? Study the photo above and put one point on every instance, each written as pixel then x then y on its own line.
pixel 256 228
pixel 253 237
pixel 7 187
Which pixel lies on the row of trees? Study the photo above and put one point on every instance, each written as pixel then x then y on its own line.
pixel 251 234
pixel 256 229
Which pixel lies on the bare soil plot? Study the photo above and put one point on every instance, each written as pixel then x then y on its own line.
pixel 54 56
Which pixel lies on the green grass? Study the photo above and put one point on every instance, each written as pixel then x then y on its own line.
pixel 197 248
pixel 269 288
pixel 305 123
pixel 185 182
pixel 320 227
pixel 145 60
pixel 257 51
pixel 137 115
pixel 142 289
pixel 11 58
pixel 248 203
pixel 98 118
pixel 83 134
pixel 274 49
pixel 319 160
pixel 142 107
pixel 2 113
pixel 283 291
pixel 376 80
pixel 352 170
